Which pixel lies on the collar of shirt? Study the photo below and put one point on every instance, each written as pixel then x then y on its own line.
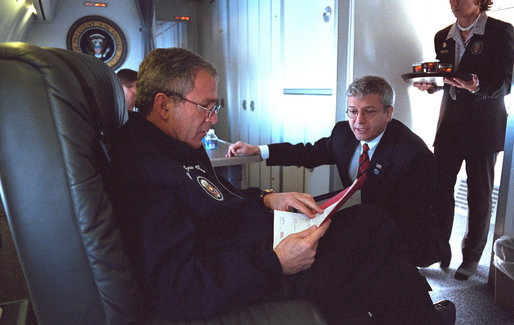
pixel 372 145
pixel 354 163
pixel 478 29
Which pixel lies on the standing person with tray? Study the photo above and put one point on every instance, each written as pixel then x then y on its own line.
pixel 472 119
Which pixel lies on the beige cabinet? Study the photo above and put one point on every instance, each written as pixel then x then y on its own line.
pixel 279 58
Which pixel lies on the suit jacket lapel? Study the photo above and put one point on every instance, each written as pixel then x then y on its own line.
pixel 346 158
pixel 380 162
pixel 474 48
pixel 447 51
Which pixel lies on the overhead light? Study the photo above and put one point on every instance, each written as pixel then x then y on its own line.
pixel 95 4
pixel 182 18
pixel 32 10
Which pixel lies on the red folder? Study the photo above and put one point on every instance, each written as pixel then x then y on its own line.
pixel 340 198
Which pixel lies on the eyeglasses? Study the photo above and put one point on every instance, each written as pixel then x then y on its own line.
pixel 366 113
pixel 213 110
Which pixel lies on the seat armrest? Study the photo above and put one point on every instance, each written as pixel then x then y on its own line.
pixel 298 312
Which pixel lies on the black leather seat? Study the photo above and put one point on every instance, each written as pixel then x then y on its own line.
pixel 58 111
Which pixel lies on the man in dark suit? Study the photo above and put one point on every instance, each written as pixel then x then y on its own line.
pixel 401 174
pixel 472 120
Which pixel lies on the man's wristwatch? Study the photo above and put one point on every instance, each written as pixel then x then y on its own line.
pixel 263 194
pixel 266 192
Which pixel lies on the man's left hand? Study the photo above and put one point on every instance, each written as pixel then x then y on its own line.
pixel 241 148
pixel 302 202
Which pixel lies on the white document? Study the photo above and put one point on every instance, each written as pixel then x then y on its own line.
pixel 286 223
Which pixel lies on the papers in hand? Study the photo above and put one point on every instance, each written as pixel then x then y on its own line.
pixel 286 223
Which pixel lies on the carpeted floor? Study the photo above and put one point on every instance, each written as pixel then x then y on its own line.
pixel 474 298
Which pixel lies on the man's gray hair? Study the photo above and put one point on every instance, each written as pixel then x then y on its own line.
pixel 170 70
pixel 372 85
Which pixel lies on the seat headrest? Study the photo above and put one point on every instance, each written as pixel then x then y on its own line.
pixel 104 102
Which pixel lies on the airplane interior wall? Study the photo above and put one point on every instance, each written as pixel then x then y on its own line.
pixel 123 13
pixel 390 36
pixel 15 20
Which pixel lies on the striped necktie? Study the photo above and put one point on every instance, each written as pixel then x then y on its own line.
pixel 363 161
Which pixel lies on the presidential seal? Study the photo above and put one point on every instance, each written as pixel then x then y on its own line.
pixel 210 188
pixel 99 37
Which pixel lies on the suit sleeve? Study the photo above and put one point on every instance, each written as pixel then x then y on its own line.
pixel 495 76
pixel 306 155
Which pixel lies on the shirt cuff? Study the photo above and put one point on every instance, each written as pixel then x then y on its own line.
pixel 264 152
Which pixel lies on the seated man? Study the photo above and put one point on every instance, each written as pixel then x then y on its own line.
pixel 401 173
pixel 128 80
pixel 202 248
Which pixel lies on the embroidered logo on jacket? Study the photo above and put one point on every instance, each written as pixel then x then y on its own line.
pixel 210 188
pixel 477 47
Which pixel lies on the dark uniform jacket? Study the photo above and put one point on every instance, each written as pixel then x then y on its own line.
pixel 401 179
pixel 196 251
pixel 475 123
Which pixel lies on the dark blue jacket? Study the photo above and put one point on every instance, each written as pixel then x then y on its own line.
pixel 476 123
pixel 198 246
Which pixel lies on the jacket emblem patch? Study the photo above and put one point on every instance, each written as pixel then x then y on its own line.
pixel 477 47
pixel 210 188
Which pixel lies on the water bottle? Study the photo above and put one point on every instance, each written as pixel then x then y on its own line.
pixel 211 140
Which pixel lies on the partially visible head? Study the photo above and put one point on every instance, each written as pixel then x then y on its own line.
pixel 127 76
pixel 469 8
pixel 128 80
pixel 370 106
pixel 192 79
